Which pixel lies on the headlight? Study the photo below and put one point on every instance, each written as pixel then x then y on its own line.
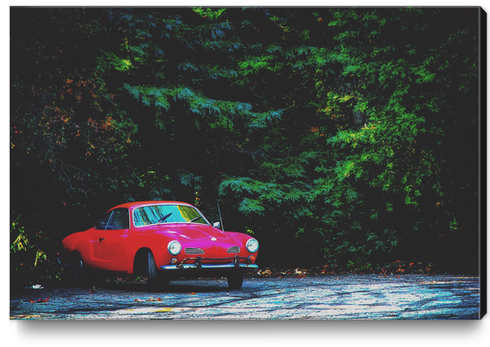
pixel 252 245
pixel 174 247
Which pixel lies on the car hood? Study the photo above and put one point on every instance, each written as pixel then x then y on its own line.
pixel 193 231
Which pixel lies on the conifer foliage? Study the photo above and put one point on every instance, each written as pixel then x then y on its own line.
pixel 336 135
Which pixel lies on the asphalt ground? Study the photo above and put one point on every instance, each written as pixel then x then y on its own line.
pixel 329 297
pixel 329 310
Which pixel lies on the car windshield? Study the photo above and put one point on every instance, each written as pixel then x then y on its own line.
pixel 158 214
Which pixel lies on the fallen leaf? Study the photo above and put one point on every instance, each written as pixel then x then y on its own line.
pixel 39 300
pixel 23 316
pixel 166 309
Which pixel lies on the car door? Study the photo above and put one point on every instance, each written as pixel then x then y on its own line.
pixel 109 239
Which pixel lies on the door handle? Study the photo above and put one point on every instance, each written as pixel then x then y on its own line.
pixel 101 239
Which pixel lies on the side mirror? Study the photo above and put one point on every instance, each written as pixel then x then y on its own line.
pixel 217 225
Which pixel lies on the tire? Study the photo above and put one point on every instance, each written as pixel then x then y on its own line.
pixel 235 280
pixel 155 279
pixel 151 271
pixel 77 270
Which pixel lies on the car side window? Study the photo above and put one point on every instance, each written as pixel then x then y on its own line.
pixel 114 220
pixel 102 223
pixel 119 219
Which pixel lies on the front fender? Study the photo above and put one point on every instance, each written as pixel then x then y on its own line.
pixel 155 242
pixel 242 238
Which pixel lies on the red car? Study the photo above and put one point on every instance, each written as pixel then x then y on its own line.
pixel 162 240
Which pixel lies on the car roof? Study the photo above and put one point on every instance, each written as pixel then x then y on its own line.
pixel 149 202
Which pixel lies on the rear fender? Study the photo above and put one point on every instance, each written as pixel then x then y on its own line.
pixel 78 242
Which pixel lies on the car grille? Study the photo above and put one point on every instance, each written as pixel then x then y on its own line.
pixel 193 250
pixel 234 249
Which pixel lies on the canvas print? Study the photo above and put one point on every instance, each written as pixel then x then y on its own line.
pixel 246 163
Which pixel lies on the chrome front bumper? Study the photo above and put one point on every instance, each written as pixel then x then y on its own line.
pixel 198 264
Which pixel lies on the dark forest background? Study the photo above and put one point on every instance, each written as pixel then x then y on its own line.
pixel 341 138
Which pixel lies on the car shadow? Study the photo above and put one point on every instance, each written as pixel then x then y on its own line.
pixel 181 286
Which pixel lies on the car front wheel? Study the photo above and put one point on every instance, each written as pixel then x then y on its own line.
pixel 155 279
pixel 235 280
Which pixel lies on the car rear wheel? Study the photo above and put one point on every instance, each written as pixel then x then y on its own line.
pixel 77 269
pixel 235 280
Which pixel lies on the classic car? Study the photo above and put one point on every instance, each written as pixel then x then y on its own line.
pixel 162 240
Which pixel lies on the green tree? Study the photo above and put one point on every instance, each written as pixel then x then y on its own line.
pixel 333 135
pixel 370 165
